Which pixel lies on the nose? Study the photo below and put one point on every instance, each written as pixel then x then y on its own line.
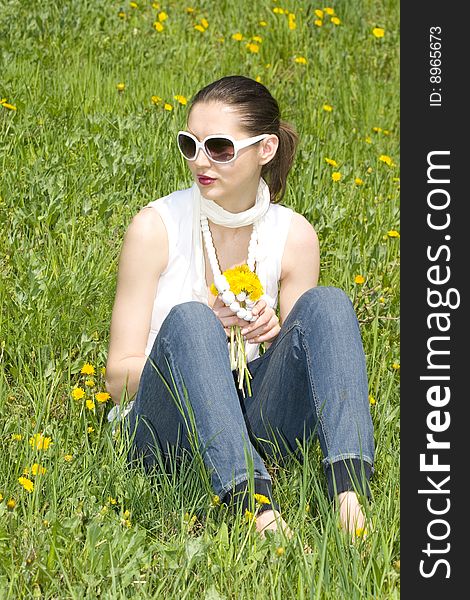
pixel 201 159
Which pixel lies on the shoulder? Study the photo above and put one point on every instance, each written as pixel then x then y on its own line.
pixel 146 241
pixel 302 241
pixel 302 234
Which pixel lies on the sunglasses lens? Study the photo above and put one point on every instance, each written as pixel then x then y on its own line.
pixel 220 149
pixel 186 145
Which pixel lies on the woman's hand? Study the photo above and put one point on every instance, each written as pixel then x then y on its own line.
pixel 265 328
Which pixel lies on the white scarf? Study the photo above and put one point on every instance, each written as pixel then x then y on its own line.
pixel 220 216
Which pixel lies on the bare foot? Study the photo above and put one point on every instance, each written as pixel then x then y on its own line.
pixel 271 520
pixel 351 514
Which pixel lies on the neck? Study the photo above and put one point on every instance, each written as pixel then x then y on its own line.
pixel 236 205
pixel 228 234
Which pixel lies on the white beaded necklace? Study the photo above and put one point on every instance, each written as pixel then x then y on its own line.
pixel 220 281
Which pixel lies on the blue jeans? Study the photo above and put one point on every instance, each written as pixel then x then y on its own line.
pixel 311 381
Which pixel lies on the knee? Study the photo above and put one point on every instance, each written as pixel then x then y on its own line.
pixel 188 318
pixel 325 303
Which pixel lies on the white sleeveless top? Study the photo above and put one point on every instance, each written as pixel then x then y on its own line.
pixel 176 282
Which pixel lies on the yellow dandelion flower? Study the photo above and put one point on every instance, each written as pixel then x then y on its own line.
pixel 372 400
pixel 318 22
pixel 336 176
pixel 87 368
pixel 90 429
pixel 278 11
pixel 267 66
pixel 237 37
pixel 301 60
pixel 90 383
pixel 26 483
pixel 215 500
pixel 386 132
pixel 155 100
pixel 396 366
pixel 155 5
pixel 168 106
pixel 68 457
pixel 331 162
pixel 120 88
pixel 377 129
pixel 393 233
pixel 361 531
pixel 378 32
pixel 112 500
pixel 40 442
pixel 102 396
pixel 291 21
pixel 359 279
pixel 158 26
pixel 258 78
pixel 11 504
pixel 369 170
pixel 335 20
pixel 133 5
pixel 78 393
pixel 319 13
pixel 327 107
pixel 121 14
pixel 280 551
pixel 368 139
pixel 199 28
pixel 257 38
pixel 205 23
pixel 1 497
pixel 261 499
pixel 386 159
pixel 249 516
pixel 162 16
pixel 381 300
pixel 189 9
pixel 263 23
pixel 329 11
pixel 358 181
pixel 16 437
pixel 253 47
pixel 37 468
pixel 90 404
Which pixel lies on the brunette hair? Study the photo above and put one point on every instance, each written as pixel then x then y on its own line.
pixel 259 113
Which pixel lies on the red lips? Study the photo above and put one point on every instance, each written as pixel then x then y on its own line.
pixel 205 180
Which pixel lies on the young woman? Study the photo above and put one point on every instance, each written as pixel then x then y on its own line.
pixel 169 333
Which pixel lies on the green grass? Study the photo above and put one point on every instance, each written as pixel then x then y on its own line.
pixel 77 160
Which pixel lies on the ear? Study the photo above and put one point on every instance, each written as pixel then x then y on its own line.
pixel 268 149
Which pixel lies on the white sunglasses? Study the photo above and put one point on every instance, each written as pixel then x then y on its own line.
pixel 218 148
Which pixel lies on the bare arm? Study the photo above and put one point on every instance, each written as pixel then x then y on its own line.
pixel 301 264
pixel 144 256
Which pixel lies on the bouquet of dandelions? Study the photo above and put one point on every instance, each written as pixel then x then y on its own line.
pixel 245 289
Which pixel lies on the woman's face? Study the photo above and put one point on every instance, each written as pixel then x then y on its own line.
pixel 239 178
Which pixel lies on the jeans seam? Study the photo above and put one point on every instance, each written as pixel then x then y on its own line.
pixel 226 488
pixel 338 458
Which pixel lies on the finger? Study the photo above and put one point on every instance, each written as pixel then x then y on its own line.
pixel 261 320
pixel 266 324
pixel 265 337
pixel 259 307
